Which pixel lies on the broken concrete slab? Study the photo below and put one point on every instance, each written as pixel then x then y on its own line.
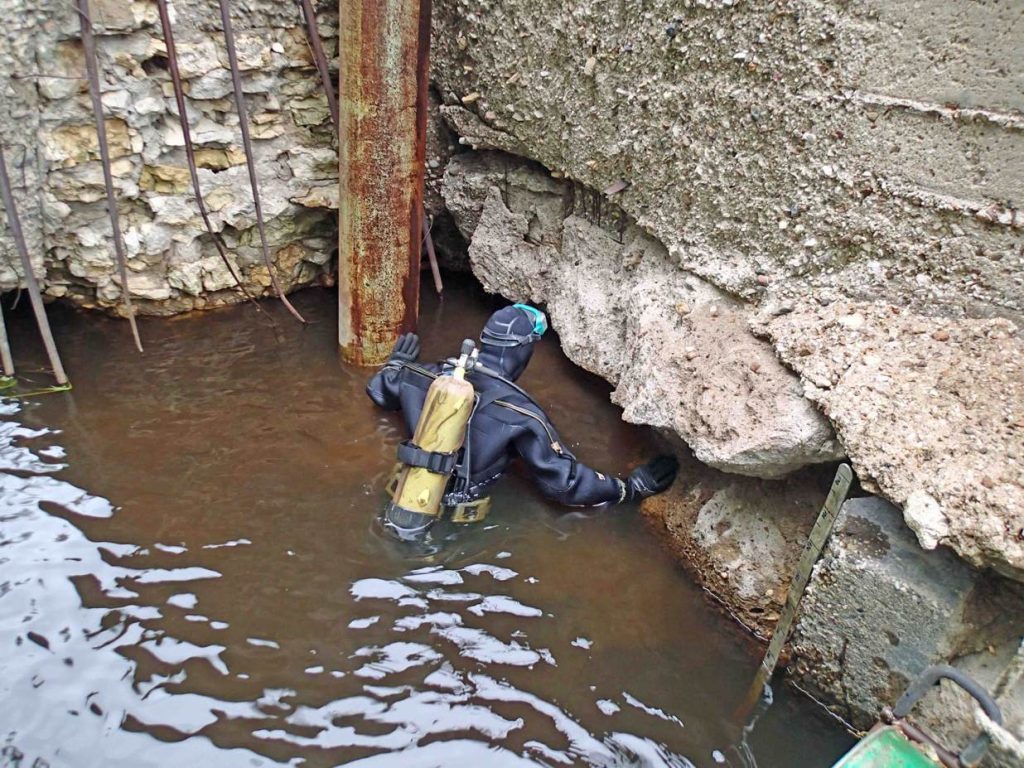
pixel 931 412
pixel 678 349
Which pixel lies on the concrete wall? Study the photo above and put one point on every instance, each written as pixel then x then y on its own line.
pixel 845 174
pixel 866 149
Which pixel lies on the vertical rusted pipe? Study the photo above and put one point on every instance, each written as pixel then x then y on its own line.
pixel 382 143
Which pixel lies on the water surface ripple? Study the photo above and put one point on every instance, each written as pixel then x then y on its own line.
pixel 191 572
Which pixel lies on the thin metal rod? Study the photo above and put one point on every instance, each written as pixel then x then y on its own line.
pixel 5 347
pixel 320 58
pixel 243 123
pixel 186 132
pixel 89 45
pixel 813 547
pixel 432 257
pixel 34 294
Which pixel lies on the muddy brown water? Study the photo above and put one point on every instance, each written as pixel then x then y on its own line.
pixel 191 575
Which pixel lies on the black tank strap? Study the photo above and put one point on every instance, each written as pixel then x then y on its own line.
pixel 432 461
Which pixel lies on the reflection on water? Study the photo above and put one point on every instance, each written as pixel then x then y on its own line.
pixel 191 573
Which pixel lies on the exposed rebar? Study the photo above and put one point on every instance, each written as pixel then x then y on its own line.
pixel 319 58
pixel 243 123
pixel 5 347
pixel 34 294
pixel 179 98
pixel 435 271
pixel 89 46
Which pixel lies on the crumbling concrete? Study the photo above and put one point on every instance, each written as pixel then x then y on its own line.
pixel 931 411
pixel 878 610
pixel 739 537
pixel 813 150
pixel 677 348
pixel 790 156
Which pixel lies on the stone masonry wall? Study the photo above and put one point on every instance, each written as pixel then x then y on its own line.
pixel 47 125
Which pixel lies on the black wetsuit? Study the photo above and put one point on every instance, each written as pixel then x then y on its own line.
pixel 506 424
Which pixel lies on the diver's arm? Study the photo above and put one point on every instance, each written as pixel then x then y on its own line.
pixel 383 388
pixel 560 476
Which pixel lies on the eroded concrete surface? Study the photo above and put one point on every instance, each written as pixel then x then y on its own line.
pixel 788 156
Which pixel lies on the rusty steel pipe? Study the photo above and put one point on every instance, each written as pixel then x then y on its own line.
pixel 382 143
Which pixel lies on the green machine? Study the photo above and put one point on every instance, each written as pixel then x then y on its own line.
pixel 895 742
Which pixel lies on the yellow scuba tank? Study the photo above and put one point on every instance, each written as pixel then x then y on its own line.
pixel 428 460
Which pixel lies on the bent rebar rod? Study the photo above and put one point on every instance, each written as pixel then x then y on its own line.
pixel 34 295
pixel 243 124
pixel 319 58
pixel 432 256
pixel 179 98
pixel 5 348
pixel 89 45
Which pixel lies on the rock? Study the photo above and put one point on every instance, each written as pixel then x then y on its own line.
pixel 215 84
pixel 921 425
pixel 219 159
pixel 187 277
pixel 165 179
pixel 313 111
pixel 216 276
pixel 197 58
pixel 70 145
pixel 741 537
pixel 314 163
pixel 623 325
pixel 318 197
pixel 148 285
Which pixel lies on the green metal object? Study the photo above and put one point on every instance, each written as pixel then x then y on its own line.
pixel 897 743
pixel 886 747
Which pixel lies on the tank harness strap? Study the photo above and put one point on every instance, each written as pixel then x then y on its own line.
pixel 432 461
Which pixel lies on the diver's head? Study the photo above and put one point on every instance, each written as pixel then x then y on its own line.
pixel 508 337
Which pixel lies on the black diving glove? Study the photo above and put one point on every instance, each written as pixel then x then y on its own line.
pixel 653 477
pixel 406 349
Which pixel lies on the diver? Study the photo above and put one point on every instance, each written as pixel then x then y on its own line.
pixel 505 424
